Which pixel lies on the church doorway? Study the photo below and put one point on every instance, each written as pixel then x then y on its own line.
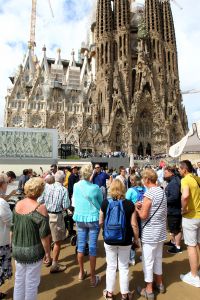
pixel 140 149
pixel 148 149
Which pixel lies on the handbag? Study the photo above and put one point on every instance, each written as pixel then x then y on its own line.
pixel 154 212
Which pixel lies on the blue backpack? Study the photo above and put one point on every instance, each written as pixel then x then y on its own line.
pixel 140 192
pixel 115 222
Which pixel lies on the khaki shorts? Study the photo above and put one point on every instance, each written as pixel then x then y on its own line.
pixel 191 231
pixel 57 226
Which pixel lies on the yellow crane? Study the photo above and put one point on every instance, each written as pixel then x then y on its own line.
pixel 32 42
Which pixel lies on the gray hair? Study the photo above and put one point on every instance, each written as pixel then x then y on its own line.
pixel 59 176
pixel 86 171
pixel 50 179
pixel 3 179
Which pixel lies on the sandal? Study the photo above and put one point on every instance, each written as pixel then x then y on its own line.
pixel 145 294
pixel 81 278
pixel 129 296
pixel 105 294
pixel 97 281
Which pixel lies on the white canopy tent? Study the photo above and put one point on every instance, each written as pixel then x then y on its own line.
pixel 189 143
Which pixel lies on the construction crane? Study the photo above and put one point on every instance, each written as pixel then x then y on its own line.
pixel 177 4
pixel 193 91
pixel 174 1
pixel 32 43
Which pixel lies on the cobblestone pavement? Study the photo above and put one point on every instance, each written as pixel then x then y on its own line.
pixel 65 286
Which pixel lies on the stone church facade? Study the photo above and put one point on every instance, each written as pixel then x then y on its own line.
pixel 122 95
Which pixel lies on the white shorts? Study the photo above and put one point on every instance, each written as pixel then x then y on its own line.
pixel 191 231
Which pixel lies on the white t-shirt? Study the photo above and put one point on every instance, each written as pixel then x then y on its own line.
pixel 156 229
pixel 5 222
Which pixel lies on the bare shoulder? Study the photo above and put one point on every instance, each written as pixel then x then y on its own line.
pixel 42 210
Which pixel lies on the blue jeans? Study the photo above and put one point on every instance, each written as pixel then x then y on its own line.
pixel 87 230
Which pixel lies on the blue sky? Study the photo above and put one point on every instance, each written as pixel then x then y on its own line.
pixel 69 28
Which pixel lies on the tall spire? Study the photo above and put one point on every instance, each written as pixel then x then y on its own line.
pixel 72 61
pixel 121 13
pixel 153 16
pixel 58 61
pixel 169 36
pixel 104 17
pixel 31 62
pixel 169 31
pixel 45 62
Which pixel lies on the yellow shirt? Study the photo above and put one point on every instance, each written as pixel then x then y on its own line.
pixel 193 207
pixel 67 179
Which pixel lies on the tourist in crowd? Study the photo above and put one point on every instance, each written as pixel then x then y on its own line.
pixel 67 174
pixel 153 213
pixel 56 199
pixel 49 179
pixel 198 169
pixel 87 200
pixel 22 180
pixel 135 193
pixel 190 189
pixel 122 177
pixel 10 177
pixel 131 172
pixel 53 169
pixel 5 224
pixel 30 240
pixel 73 178
pixel 99 177
pixel 117 253
pixel 160 174
pixel 174 217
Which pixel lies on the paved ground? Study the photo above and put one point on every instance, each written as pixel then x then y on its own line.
pixel 65 286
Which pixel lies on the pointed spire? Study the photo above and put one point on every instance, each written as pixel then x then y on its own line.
pixel 58 61
pixel 31 62
pixel 153 15
pixel 72 61
pixel 45 62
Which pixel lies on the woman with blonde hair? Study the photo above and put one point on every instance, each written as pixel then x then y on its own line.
pixel 118 251
pixel 5 224
pixel 30 240
pixel 153 213
pixel 87 200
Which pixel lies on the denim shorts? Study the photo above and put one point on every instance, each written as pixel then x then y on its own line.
pixel 88 232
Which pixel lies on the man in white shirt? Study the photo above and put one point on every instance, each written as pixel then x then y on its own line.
pixel 198 169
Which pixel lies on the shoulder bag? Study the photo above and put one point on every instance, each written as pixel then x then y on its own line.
pixel 154 212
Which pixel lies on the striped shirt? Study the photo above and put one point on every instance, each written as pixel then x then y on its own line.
pixel 55 197
pixel 156 229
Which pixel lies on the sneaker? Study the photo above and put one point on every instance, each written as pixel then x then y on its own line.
pixel 57 268
pixel 169 244
pixel 174 250
pixel 132 262
pixel 189 279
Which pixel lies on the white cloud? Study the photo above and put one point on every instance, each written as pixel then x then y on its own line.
pixel 69 28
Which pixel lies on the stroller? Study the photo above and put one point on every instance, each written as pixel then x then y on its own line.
pixel 72 234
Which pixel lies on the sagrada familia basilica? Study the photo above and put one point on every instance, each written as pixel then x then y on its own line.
pixel 123 93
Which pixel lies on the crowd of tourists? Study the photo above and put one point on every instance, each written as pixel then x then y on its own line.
pixel 132 207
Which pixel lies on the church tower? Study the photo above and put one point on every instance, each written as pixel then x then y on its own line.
pixel 104 64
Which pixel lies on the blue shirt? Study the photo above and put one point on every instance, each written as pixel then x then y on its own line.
pixel 132 194
pixel 87 200
pixel 100 179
